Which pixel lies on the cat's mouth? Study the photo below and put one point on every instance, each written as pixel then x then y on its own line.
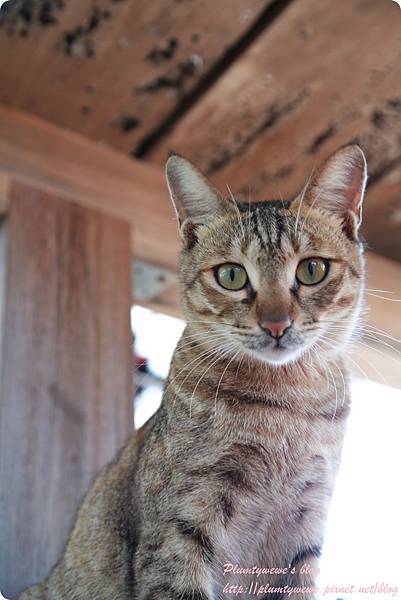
pixel 275 351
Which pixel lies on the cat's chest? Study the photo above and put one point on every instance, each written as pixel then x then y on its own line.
pixel 279 507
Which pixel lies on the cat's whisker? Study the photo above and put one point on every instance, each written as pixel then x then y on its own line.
pixel 330 345
pixel 237 211
pixel 240 363
pixel 385 354
pixel 383 333
pixel 314 349
pixel 379 291
pixel 366 335
pixel 333 347
pixel 373 367
pixel 309 210
pixel 216 323
pixel 198 363
pixel 372 337
pixel 284 209
pixel 335 391
pixel 202 340
pixel 249 214
pixel 301 201
pixel 213 349
pixel 383 297
pixel 221 379
pixel 204 373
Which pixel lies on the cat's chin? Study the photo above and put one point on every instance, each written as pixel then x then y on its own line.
pixel 277 356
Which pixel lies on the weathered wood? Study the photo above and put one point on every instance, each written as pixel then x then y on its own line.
pixel 96 176
pixel 114 71
pixel 319 77
pixel 66 403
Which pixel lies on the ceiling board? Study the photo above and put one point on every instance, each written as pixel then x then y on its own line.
pixel 316 79
pixel 114 69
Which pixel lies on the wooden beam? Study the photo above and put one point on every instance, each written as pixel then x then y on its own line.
pixel 95 176
pixel 66 370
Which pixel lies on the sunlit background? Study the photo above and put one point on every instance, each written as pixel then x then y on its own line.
pixel 363 531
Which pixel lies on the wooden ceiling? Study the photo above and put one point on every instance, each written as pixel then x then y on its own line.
pixel 256 92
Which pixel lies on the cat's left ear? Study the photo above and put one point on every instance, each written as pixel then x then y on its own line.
pixel 339 187
pixel 195 199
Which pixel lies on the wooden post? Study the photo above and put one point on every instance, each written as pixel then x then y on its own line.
pixel 66 404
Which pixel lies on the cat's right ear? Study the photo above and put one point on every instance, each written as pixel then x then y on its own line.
pixel 195 199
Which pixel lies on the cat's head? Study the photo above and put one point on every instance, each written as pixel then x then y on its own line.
pixel 274 280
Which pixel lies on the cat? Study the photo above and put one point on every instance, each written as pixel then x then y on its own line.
pixel 236 469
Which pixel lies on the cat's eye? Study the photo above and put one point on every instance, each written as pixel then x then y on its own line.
pixel 231 277
pixel 312 271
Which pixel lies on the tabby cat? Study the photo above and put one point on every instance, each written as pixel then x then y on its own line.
pixel 236 468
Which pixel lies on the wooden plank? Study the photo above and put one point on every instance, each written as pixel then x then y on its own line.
pixel 95 176
pixel 113 71
pixel 316 79
pixel 66 403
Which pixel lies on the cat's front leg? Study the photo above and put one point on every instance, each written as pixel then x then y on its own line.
pixel 177 567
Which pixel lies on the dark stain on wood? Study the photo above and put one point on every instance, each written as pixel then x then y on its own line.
pixel 322 138
pixel 378 119
pixel 78 41
pixel 269 15
pixel 19 16
pixel 163 53
pixel 126 123
pixel 174 78
pixel 129 123
pixel 394 103
pixel 273 115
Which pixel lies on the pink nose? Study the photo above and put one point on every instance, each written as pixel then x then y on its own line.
pixel 275 326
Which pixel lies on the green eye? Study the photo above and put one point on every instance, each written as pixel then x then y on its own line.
pixel 312 270
pixel 231 277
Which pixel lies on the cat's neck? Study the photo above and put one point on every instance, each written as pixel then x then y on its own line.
pixel 202 383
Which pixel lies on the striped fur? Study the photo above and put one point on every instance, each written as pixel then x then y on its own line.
pixel 238 464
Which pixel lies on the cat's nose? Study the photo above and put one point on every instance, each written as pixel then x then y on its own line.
pixel 275 326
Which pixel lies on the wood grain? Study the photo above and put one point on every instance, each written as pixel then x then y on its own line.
pixel 318 78
pixel 66 403
pixel 102 71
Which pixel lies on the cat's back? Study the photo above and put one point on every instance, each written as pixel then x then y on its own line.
pixel 98 558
